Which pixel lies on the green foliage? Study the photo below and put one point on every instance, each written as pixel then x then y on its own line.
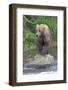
pixel 30 36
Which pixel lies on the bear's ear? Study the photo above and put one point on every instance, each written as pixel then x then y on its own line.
pixel 37 27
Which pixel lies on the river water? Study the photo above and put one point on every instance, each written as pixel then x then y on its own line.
pixel 35 69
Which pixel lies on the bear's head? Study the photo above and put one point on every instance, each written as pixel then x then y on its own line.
pixel 41 29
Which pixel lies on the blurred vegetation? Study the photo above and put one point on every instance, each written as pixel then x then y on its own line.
pixel 29 34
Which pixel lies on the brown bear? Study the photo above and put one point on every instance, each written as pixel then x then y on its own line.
pixel 43 38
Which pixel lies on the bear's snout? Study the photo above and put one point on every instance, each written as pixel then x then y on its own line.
pixel 38 34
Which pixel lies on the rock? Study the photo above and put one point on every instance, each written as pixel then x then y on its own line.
pixel 42 60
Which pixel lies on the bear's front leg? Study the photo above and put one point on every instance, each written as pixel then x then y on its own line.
pixel 39 46
pixel 45 50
